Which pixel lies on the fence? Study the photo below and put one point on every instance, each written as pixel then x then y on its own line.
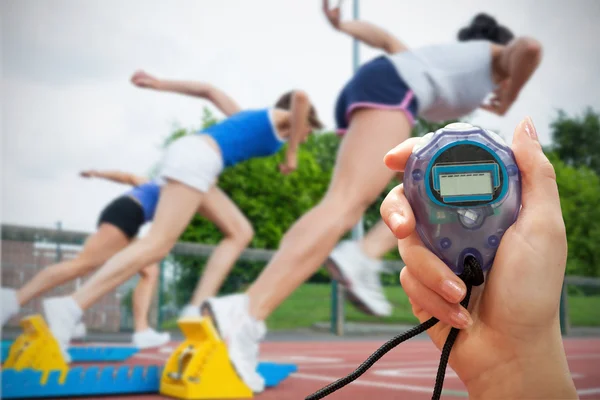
pixel 26 250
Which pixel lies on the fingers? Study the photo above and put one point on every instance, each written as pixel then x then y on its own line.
pixel 432 272
pixel 425 299
pixel 538 179
pixel 396 158
pixel 397 213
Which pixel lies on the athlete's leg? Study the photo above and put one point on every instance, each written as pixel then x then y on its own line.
pixel 98 248
pixel 359 177
pixel 142 297
pixel 178 203
pixel 219 209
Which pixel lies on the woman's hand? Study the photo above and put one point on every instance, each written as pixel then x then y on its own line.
pixel 502 99
pixel 144 80
pixel 333 15
pixel 510 345
pixel 290 165
pixel 89 173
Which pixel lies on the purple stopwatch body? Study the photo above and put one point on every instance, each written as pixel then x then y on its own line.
pixel 464 187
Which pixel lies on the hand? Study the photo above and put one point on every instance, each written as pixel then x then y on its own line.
pixel 290 165
pixel 144 80
pixel 502 99
pixel 87 173
pixel 510 338
pixel 332 15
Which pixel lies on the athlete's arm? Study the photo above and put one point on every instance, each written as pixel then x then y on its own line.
pixel 366 32
pixel 220 99
pixel 299 129
pixel 115 176
pixel 515 63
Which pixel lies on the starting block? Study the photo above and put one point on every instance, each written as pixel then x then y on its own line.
pixel 89 354
pixel 79 381
pixel 200 367
pixel 36 349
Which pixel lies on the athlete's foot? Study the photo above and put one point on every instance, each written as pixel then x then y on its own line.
pixel 242 334
pixel 80 331
pixel 62 314
pixel 9 306
pixel 190 311
pixel 359 275
pixel 149 338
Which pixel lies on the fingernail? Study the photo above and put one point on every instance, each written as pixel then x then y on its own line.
pixel 452 291
pixel 461 319
pixel 530 128
pixel 395 220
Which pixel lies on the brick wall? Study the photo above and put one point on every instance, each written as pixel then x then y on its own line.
pixel 22 260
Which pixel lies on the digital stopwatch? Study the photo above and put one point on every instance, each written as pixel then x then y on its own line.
pixel 464 187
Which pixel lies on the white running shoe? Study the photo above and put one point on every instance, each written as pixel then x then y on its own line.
pixel 241 333
pixel 9 306
pixel 80 331
pixel 62 314
pixel 149 338
pixel 190 311
pixel 359 275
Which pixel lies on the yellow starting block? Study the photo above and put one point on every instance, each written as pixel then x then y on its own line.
pixel 37 349
pixel 200 367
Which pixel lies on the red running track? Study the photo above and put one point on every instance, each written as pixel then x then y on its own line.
pixel 407 372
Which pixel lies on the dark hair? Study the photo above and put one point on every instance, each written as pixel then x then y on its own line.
pixel 484 26
pixel 285 103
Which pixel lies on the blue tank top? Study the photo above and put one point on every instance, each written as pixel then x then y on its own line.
pixel 147 195
pixel 245 135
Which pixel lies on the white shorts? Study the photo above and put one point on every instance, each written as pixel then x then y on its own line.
pixel 193 162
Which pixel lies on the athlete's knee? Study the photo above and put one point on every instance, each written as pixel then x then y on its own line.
pixel 242 232
pixel 87 262
pixel 150 272
pixel 156 247
pixel 346 206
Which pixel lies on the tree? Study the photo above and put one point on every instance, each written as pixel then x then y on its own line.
pixel 579 190
pixel 576 140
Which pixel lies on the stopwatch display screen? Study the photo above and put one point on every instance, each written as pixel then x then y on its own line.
pixel 465 175
pixel 466 183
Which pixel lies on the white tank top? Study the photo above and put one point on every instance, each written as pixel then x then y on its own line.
pixel 448 80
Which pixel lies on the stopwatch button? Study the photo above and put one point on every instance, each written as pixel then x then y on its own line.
pixel 423 141
pixel 458 126
pixel 496 137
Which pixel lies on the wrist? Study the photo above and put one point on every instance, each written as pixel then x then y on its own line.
pixel 540 371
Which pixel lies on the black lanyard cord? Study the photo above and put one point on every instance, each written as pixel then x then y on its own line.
pixel 472 276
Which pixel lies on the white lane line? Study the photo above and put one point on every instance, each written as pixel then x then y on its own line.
pixel 395 386
pixel 584 392
pixel 379 364
pixel 582 356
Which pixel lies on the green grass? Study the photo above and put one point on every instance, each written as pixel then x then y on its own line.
pixel 584 310
pixel 311 303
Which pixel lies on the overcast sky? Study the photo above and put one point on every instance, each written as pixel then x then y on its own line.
pixel 67 104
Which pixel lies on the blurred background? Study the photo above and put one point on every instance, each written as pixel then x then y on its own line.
pixel 67 105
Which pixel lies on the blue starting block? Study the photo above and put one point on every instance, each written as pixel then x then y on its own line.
pixel 79 382
pixel 93 381
pixel 275 373
pixel 89 354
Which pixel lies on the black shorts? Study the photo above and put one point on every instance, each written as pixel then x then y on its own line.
pixel 375 85
pixel 124 213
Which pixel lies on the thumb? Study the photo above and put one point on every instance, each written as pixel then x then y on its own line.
pixel 539 190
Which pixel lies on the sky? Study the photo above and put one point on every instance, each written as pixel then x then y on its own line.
pixel 67 104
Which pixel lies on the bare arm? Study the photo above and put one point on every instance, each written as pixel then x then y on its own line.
pixel 299 129
pixel 116 176
pixel 220 99
pixel 513 65
pixel 366 32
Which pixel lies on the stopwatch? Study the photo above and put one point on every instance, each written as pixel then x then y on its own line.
pixel 464 187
